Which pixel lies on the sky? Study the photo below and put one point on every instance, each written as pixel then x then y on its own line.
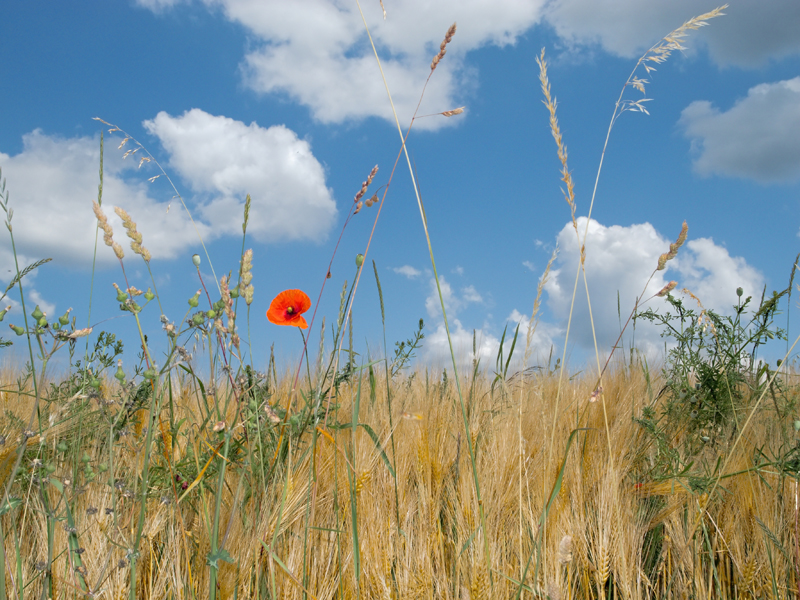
pixel 285 101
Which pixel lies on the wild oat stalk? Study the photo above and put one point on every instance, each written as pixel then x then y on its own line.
pixel 434 63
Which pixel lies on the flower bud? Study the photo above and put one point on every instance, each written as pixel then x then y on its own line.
pixel 359 260
pixel 64 319
pixel 196 260
pixel 121 296
pixel 120 374
pixel 739 292
pixel 149 295
pixel 194 301
pixel 3 312
pixel 37 313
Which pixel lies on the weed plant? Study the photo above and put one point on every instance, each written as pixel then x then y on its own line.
pixel 374 477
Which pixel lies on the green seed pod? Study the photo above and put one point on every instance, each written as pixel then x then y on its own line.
pixel 194 301
pixel 42 322
pixel 37 313
pixel 95 383
pixel 120 374
pixel 86 458
pixel 211 314
pixel 90 476
pixel 50 468
pixel 359 260
pixel 61 447
pixel 103 467
pixel 797 425
pixel 121 296
pixel 739 292
pixel 17 330
pixel 149 374
pixel 234 294
pixel 198 319
pixel 55 326
pixel 196 260
pixel 149 295
pixel 3 313
pixel 64 319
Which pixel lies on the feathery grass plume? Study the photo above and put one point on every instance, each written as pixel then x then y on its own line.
pixel 673 248
pixel 246 277
pixel 443 46
pixel 536 306
pixel 108 233
pixel 551 104
pixel 659 54
pixel 133 234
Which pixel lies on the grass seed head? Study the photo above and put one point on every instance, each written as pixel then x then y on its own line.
pixel 443 46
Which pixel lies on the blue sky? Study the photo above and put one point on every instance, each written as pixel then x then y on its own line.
pixel 284 101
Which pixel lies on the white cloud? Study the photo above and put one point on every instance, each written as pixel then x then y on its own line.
pixel 437 349
pixel 53 182
pixel 529 265
pixel 750 33
pixel 433 304
pixel 227 159
pixel 453 302
pixel 620 260
pixel 317 52
pixel 470 294
pixel 756 138
pixel 407 271
pixel 713 275
pixel 459 270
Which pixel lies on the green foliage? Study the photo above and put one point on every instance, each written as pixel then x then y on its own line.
pixel 713 376
pixel 404 351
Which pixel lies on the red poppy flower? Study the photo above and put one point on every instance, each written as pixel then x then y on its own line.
pixel 288 307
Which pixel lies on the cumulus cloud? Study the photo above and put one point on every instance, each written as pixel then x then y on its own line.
pixel 226 159
pixel 487 344
pixel 407 271
pixel 453 302
pixel 756 138
pixel 713 275
pixel 317 52
pixel 53 182
pixel 749 34
pixel 619 260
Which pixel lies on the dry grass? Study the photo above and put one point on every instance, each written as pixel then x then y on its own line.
pixel 627 540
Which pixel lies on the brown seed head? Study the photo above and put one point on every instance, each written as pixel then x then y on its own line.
pixel 443 46
pixel 667 289
pixel 365 185
pixel 102 222
pixel 454 112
